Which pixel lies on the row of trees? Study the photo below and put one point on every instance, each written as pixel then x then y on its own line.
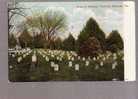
pixel 37 41
pixel 92 40
pixel 40 31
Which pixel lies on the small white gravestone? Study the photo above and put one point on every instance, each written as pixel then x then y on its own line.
pixel 57 58
pixel 114 56
pixel 114 79
pixel 87 63
pixel 60 59
pixel 43 56
pixel 52 56
pixel 72 58
pixel 69 57
pixel 24 55
pixel 101 63
pixel 10 66
pixel 70 63
pixel 79 57
pixel 83 58
pixel 34 58
pixel 27 54
pixel 13 55
pixel 77 67
pixel 47 59
pixel 19 59
pixel 94 58
pixel 89 58
pixel 56 67
pixel 52 64
pixel 114 65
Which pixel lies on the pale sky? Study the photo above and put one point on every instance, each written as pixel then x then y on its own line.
pixel 108 18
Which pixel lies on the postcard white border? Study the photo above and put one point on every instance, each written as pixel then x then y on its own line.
pixel 129 41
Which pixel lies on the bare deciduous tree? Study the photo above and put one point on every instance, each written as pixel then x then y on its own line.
pixel 48 23
pixel 14 10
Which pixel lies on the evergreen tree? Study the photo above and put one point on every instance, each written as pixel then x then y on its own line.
pixel 114 41
pixel 92 29
pixel 69 43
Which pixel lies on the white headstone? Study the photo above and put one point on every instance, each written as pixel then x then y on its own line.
pixel 34 58
pixel 77 67
pixel 56 67
pixel 70 63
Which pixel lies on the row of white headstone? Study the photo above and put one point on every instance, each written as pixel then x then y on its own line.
pixel 114 64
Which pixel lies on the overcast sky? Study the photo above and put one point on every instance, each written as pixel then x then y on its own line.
pixel 109 18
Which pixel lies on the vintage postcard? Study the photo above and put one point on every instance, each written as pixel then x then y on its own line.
pixel 71 41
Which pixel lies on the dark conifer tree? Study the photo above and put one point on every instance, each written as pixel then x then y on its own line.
pixel 114 41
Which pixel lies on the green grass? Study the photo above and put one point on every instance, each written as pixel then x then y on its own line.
pixel 23 72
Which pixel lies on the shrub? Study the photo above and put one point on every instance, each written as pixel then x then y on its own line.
pixel 90 47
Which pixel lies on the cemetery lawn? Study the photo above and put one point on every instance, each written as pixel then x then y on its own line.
pixel 58 65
